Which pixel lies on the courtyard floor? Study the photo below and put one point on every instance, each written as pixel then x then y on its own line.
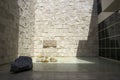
pixel 81 68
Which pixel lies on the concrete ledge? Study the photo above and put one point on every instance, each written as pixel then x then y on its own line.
pixel 111 59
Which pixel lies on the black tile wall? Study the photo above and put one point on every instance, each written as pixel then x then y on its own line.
pixel 109 37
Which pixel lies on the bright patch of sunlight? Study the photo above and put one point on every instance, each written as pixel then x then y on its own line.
pixel 73 60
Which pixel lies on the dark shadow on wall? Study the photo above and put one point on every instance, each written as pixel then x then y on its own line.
pixel 89 47
pixel 9 30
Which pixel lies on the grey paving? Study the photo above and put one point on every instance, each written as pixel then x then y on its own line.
pixel 99 69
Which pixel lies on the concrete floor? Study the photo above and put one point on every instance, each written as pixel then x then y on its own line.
pixel 90 69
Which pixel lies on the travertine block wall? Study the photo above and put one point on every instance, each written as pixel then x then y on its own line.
pixel 71 24
pixel 51 27
pixel 9 21
pixel 26 27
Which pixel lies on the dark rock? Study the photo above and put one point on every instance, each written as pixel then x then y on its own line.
pixel 23 63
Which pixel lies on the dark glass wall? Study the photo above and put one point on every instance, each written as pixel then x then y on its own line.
pixel 109 37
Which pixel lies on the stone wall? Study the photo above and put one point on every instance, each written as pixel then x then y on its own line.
pixel 26 27
pixel 71 24
pixel 51 27
pixel 9 21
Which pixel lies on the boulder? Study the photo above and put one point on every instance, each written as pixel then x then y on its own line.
pixel 22 63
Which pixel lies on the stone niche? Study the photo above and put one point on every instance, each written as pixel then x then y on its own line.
pixel 49 43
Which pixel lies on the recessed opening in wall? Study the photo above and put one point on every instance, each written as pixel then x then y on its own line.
pixel 49 43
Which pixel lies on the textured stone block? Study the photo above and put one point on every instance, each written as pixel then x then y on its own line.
pixel 49 43
pixel 2 28
pixel 5 14
pixel 26 27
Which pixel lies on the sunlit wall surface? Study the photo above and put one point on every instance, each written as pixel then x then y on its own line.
pixel 66 28
pixel 26 27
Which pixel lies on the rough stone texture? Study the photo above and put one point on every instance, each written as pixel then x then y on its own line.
pixel 72 23
pixel 26 27
pixel 49 43
pixel 9 29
